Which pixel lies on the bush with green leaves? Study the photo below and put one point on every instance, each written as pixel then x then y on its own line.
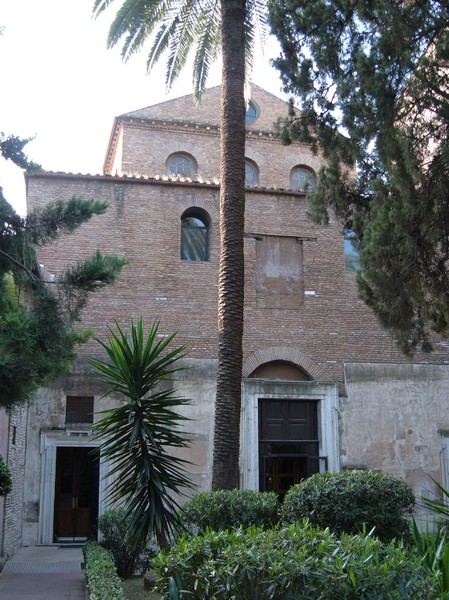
pixel 351 502
pixel 129 557
pixel 103 582
pixel 230 509
pixel 5 478
pixel 299 562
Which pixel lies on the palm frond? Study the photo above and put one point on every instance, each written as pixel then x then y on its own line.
pixel 100 6
pixel 175 29
pixel 182 41
pixel 208 46
pixel 135 438
pixel 135 21
pixel 439 508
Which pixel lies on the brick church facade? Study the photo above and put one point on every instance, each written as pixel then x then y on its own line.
pixel 324 387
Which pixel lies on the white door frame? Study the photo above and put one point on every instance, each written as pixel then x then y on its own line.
pixel 50 441
pixel 326 394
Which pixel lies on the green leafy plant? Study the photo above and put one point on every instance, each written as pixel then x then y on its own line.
pixel 299 562
pixel 230 509
pixel 5 478
pixel 38 337
pixel 128 557
pixel 440 508
pixel 349 501
pixel 136 437
pixel 433 548
pixel 102 580
pixel 433 545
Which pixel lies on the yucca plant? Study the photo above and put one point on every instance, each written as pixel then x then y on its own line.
pixel 440 508
pixel 136 437
pixel 433 546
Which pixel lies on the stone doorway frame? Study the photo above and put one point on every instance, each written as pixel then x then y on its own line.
pixel 325 393
pixel 50 441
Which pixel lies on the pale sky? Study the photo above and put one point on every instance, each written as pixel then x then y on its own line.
pixel 63 87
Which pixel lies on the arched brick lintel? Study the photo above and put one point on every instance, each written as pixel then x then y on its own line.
pixel 291 355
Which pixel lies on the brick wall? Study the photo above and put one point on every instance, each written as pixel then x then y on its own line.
pixel 143 224
pixel 320 331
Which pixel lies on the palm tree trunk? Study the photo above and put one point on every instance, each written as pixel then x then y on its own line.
pixel 225 474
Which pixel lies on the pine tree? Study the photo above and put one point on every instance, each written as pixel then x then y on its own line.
pixel 37 317
pixel 372 79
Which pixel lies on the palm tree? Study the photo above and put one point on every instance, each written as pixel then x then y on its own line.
pixel 182 25
pixel 135 438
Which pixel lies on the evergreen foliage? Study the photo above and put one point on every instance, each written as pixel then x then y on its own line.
pixel 298 562
pixel 11 148
pixel 102 580
pixel 351 501
pixel 230 509
pixel 137 437
pixel 5 478
pixel 37 317
pixel 373 83
pixel 128 557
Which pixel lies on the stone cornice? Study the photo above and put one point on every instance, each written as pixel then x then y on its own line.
pixel 157 180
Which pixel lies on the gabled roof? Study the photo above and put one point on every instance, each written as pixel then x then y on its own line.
pixel 185 110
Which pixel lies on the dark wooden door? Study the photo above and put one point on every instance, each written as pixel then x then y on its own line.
pixel 288 443
pixel 76 494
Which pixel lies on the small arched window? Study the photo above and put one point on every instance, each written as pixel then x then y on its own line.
pixel 195 235
pixel 251 174
pixel 251 113
pixel 302 179
pixel 181 164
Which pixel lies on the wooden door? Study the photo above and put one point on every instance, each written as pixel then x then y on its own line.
pixel 76 494
pixel 288 443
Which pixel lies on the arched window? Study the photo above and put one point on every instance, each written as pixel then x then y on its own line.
pixel 302 179
pixel 251 113
pixel 195 235
pixel 181 164
pixel 251 173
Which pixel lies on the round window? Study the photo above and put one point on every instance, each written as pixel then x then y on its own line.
pixel 251 113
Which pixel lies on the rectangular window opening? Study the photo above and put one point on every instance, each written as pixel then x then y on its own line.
pixel 79 409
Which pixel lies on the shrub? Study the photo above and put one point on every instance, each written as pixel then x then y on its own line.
pixel 103 582
pixel 433 548
pixel 127 555
pixel 5 478
pixel 230 509
pixel 298 562
pixel 352 501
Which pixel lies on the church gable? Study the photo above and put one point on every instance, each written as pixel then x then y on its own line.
pixel 188 119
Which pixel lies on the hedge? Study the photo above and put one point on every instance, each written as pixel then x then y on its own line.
pixel 299 562
pixel 230 509
pixel 103 582
pixel 352 501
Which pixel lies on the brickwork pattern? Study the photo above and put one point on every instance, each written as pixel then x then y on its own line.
pixel 328 328
pixel 143 224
